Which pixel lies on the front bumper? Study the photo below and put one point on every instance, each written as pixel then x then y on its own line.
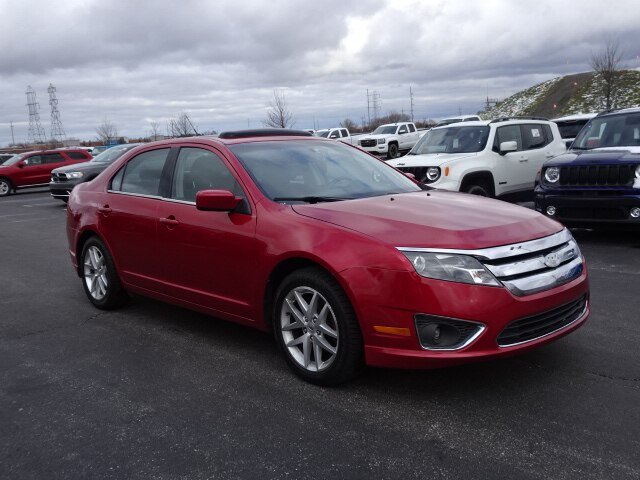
pixel 61 190
pixel 493 307
pixel 585 207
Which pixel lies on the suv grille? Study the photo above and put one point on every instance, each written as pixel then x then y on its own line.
pixel 542 324
pixel 368 143
pixel 419 172
pixel 597 175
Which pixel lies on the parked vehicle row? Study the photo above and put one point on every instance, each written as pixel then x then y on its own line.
pixel 33 169
pixel 314 239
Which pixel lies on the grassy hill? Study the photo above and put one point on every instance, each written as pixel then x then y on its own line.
pixel 578 93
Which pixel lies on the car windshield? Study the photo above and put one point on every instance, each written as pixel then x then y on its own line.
pixel 455 139
pixel 13 160
pixel 622 130
pixel 111 154
pixel 385 130
pixel 571 128
pixel 316 171
pixel 322 133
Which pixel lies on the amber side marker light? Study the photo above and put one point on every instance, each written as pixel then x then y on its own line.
pixel 404 332
pixel 446 171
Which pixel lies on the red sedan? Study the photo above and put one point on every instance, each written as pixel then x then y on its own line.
pixel 347 260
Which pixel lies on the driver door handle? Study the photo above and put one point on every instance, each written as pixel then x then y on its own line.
pixel 170 221
pixel 105 210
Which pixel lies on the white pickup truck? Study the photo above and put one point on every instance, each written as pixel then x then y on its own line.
pixel 336 133
pixel 390 139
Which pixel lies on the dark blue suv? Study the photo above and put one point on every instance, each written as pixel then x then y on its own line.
pixel 598 180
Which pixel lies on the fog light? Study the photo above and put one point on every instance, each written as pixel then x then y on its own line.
pixel 551 211
pixel 635 212
pixel 441 333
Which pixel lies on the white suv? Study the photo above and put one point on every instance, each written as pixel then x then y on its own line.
pixel 491 159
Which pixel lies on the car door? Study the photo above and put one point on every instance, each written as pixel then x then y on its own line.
pixel 128 218
pixel 535 139
pixel 207 256
pixel 31 171
pixel 49 162
pixel 403 137
pixel 513 172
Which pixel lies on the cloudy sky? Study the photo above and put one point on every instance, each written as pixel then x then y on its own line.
pixel 135 62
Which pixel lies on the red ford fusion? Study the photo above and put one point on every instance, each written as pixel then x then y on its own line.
pixel 348 261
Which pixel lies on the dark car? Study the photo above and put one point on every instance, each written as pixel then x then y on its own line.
pixel 33 169
pixel 63 179
pixel 597 182
pixel 346 259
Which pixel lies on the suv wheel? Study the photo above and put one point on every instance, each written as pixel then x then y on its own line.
pixel 393 151
pixel 99 277
pixel 5 187
pixel 478 189
pixel 316 328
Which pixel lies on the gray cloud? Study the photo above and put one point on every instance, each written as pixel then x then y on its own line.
pixel 220 61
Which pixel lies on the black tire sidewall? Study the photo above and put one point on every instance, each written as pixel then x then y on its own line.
pixel 393 151
pixel 476 189
pixel 349 356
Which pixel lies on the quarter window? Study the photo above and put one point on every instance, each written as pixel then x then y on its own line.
pixel 76 155
pixel 198 169
pixel 141 175
pixel 53 158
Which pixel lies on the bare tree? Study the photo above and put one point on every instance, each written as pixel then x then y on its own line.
pixel 349 125
pixel 606 64
pixel 155 130
pixel 182 126
pixel 106 130
pixel 279 115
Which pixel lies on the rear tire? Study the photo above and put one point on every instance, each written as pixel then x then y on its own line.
pixel 5 187
pixel 316 328
pixel 99 277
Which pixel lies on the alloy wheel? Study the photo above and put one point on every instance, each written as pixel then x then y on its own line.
pixel 95 273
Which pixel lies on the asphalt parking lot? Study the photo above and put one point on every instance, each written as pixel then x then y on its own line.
pixel 154 391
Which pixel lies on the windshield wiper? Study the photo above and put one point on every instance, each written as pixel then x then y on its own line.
pixel 310 199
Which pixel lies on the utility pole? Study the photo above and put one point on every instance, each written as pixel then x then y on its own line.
pixel 13 139
pixel 368 109
pixel 411 99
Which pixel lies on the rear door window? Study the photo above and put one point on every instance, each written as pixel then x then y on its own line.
pixel 533 136
pixel 142 174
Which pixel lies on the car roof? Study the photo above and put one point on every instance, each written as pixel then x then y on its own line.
pixel 243 136
pixel 577 116
pixel 619 112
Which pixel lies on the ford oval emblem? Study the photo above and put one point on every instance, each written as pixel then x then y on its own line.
pixel 552 260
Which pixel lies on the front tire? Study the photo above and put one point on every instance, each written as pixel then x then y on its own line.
pixel 393 151
pixel 99 277
pixel 316 328
pixel 5 187
pixel 478 189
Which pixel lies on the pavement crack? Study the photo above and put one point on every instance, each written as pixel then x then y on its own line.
pixel 611 377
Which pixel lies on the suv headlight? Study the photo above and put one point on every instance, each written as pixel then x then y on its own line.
pixel 75 175
pixel 381 140
pixel 433 173
pixel 638 171
pixel 552 174
pixel 451 267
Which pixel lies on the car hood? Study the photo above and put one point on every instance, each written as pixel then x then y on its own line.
pixel 435 219
pixel 428 159
pixel 81 167
pixel 597 156
pixel 381 135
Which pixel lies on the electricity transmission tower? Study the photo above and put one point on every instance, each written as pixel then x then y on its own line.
pixel 57 131
pixel 36 132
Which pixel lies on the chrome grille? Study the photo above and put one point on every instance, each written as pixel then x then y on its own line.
pixel 58 177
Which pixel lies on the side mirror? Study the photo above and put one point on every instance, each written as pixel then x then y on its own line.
pixel 21 164
pixel 334 135
pixel 217 200
pixel 402 133
pixel 510 146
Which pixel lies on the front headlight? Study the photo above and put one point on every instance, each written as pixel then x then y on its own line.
pixel 381 140
pixel 451 267
pixel 552 174
pixel 433 173
pixel 638 171
pixel 75 175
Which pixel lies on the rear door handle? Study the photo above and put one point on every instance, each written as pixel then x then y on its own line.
pixel 170 221
pixel 105 210
pixel 549 155
pixel 524 159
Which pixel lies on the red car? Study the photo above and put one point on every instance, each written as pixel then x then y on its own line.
pixel 33 169
pixel 346 259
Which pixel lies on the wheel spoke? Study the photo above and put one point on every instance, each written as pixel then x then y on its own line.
pixel 326 345
pixel 297 341
pixel 327 330
pixel 303 305
pixel 317 353
pixel 296 313
pixel 306 351
pixel 313 304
